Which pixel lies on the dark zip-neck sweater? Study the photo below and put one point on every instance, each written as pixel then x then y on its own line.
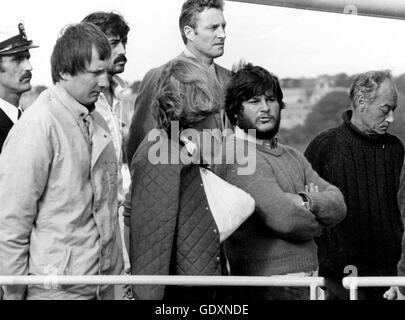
pixel 367 170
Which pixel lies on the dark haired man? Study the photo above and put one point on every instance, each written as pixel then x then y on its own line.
pixel 364 162
pixel 202 27
pixel 58 178
pixel 109 103
pixel 292 201
pixel 15 76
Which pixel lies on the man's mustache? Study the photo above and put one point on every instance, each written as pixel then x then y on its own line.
pixel 120 58
pixel 26 75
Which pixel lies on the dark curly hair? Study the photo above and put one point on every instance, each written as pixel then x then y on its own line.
pixel 111 23
pixel 248 81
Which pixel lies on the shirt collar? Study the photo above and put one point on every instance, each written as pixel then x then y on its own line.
pixel 119 86
pixel 189 54
pixel 69 102
pixel 10 110
pixel 271 145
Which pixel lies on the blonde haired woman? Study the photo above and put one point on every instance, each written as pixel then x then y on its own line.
pixel 172 231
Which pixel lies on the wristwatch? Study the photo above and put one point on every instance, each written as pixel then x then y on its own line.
pixel 305 202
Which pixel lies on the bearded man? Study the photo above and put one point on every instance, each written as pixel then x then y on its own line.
pixel 292 202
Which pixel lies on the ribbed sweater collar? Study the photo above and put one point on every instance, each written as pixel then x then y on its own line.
pixel 356 136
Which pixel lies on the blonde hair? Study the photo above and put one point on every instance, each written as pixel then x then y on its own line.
pixel 186 92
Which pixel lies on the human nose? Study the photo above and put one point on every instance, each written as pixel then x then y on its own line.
pixel 121 48
pixel 27 65
pixel 264 105
pixel 390 118
pixel 103 80
pixel 221 33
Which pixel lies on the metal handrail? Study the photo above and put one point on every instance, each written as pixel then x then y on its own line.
pixel 274 281
pixel 393 9
pixel 353 283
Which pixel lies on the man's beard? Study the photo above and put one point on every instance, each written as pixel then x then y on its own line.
pixel 246 124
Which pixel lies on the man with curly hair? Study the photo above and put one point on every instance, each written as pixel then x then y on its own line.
pixel 109 103
pixel 292 201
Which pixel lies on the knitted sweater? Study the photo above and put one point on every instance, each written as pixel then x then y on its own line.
pixel 401 202
pixel 278 237
pixel 366 169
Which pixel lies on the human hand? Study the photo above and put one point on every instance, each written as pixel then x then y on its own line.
pixel 393 293
pixel 298 200
pixel 127 295
pixel 312 187
pixel 295 198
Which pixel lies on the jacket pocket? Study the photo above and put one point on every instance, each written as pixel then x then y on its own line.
pixel 57 265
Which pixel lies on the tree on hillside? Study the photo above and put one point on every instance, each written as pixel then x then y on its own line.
pixel 342 80
pixel 325 114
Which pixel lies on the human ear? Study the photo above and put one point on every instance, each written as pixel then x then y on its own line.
pixel 189 33
pixel 361 103
pixel 64 76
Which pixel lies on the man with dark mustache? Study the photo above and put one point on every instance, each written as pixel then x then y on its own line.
pixel 15 76
pixel 292 201
pixel 109 103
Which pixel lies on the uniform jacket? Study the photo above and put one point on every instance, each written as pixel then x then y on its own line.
pixel 5 126
pixel 58 199
pixel 142 121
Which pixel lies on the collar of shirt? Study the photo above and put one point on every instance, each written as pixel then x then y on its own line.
pixel 70 103
pixel 189 54
pixel 268 145
pixel 10 110
pixel 119 86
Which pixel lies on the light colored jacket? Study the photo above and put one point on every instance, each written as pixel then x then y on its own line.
pixel 113 117
pixel 58 199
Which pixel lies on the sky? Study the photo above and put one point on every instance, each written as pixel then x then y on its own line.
pixel 288 42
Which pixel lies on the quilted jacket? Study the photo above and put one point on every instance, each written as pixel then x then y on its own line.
pixel 142 121
pixel 172 231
